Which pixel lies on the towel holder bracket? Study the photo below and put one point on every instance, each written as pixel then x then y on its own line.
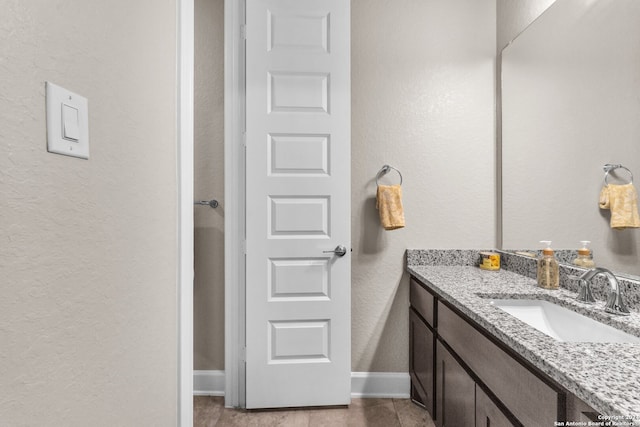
pixel 385 170
pixel 609 167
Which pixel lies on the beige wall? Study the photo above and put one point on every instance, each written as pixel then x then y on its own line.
pixel 209 183
pixel 88 247
pixel 422 101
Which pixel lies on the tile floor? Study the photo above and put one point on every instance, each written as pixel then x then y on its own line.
pixel 209 411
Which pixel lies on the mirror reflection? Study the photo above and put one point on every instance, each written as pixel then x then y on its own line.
pixel 570 105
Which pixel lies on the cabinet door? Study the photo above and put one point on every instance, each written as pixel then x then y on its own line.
pixel 421 358
pixel 487 413
pixel 455 392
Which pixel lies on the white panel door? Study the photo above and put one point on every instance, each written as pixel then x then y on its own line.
pixel 298 322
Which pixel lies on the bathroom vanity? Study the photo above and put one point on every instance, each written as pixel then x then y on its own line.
pixel 473 364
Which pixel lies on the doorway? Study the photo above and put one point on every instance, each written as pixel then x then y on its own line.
pixel 208 287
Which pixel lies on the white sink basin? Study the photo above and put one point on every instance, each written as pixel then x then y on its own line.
pixel 561 323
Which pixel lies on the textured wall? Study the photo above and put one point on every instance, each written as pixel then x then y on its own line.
pixel 209 183
pixel 88 247
pixel 422 101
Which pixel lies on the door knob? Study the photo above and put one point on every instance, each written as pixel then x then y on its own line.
pixel 339 251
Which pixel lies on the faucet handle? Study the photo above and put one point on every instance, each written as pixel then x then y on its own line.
pixel 615 302
pixel 584 290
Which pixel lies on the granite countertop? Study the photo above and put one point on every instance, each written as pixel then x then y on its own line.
pixel 604 375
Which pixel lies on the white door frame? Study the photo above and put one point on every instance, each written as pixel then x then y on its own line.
pixel 234 190
pixel 234 205
pixel 184 153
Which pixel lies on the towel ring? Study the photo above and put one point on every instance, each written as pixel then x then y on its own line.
pixel 609 167
pixel 385 170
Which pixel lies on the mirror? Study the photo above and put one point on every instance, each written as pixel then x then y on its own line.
pixel 571 104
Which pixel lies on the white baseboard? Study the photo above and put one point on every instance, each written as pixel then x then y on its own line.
pixel 208 383
pixel 363 384
pixel 380 384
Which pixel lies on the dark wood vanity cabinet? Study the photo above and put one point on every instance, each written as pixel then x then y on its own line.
pixel 465 378
pixel 530 398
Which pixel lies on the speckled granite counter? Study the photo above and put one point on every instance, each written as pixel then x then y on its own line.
pixel 604 375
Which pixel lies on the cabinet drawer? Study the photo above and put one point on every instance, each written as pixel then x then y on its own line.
pixel 422 301
pixel 530 399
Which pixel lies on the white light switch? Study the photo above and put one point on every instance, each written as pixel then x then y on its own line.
pixel 67 122
pixel 70 128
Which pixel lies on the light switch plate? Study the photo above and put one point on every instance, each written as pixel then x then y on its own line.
pixel 57 98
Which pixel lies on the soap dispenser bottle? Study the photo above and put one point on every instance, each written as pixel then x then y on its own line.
pixel 584 258
pixel 548 268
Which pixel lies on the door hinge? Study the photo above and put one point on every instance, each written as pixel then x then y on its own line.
pixel 244 247
pixel 243 32
pixel 244 139
pixel 243 354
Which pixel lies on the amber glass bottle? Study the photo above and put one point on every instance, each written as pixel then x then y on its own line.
pixel 548 268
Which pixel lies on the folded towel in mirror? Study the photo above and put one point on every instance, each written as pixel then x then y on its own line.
pixel 389 205
pixel 622 200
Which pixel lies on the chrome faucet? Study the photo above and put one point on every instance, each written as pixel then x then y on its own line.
pixel 615 304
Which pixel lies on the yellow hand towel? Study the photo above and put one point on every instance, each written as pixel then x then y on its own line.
pixel 389 205
pixel 622 200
